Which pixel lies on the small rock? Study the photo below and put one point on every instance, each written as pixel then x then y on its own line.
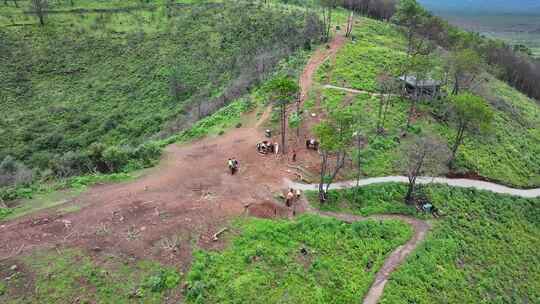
pixel 14 268
pixel 143 228
pixel 96 249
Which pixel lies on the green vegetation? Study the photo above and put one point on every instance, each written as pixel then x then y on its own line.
pixel 483 250
pixel 92 90
pixel 265 263
pixel 365 201
pixel 509 153
pixel 43 196
pixel 69 275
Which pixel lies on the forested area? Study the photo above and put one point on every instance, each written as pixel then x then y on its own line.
pixel 516 66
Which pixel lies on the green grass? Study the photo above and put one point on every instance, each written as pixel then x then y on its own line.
pixel 263 263
pixel 377 46
pixel 122 79
pixel 70 275
pixel 44 196
pixel 483 250
pixel 508 154
pixel 365 201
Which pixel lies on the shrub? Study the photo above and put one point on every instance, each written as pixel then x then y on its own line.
pixel 147 153
pixel 13 172
pixel 165 279
pixel 70 163
pixel 116 158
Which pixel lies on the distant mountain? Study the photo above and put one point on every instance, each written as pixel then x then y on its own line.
pixel 484 6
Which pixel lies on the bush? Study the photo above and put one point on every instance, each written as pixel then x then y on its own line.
pixel 13 172
pixel 4 212
pixel 165 279
pixel 146 154
pixel 116 158
pixel 70 164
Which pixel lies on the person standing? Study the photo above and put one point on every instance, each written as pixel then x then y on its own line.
pixel 290 198
pixel 230 163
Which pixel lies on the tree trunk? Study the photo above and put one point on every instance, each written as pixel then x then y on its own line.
pixel 359 174
pixel 283 127
pixel 412 109
pixel 410 191
pixel 385 111
pixel 379 115
pixel 324 163
pixel 455 91
pixel 340 162
pixel 457 143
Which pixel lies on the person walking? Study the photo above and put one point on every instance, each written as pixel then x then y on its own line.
pixel 290 198
pixel 230 164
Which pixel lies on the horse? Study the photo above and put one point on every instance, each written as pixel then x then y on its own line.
pixel 265 147
pixel 312 144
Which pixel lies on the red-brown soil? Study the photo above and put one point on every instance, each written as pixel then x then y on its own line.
pixel 189 196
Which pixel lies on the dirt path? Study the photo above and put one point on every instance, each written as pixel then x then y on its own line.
pixel 454 182
pixel 190 196
pixel 395 259
pixel 186 199
pixel 320 56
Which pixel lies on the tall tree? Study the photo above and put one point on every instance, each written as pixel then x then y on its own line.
pixel 418 67
pixel 350 23
pixel 424 156
pixel 411 15
pixel 39 8
pixel 465 65
pixel 335 135
pixel 386 85
pixel 471 114
pixel 283 90
pixel 327 9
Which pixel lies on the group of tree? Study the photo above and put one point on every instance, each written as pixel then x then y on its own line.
pixel 425 31
pixel 377 9
pixel 424 154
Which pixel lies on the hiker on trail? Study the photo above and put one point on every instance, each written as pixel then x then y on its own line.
pixel 290 198
pixel 294 155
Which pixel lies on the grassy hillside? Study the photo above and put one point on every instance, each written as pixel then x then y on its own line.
pixel 483 250
pixel 50 277
pixel 264 263
pixel 87 91
pixel 509 154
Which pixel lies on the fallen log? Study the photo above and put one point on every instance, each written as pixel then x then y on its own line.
pixel 215 237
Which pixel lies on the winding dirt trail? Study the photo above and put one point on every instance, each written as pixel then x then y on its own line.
pixel 320 56
pixel 191 196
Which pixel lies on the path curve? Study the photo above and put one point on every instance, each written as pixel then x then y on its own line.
pixel 454 182
pixel 395 259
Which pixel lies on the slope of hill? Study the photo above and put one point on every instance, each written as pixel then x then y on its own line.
pixel 89 90
pixel 481 250
pixel 509 155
